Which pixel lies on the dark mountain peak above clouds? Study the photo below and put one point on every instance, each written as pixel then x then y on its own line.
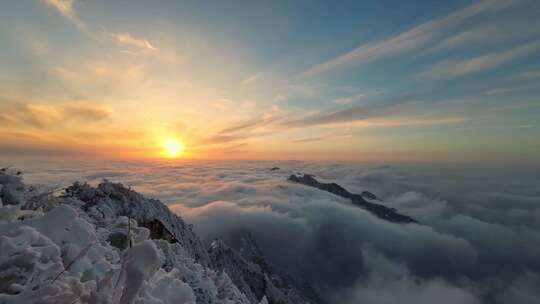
pixel 369 195
pixel 309 180
pixel 383 212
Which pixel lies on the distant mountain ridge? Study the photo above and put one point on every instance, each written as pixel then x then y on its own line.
pixel 380 211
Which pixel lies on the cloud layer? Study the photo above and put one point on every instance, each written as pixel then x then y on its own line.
pixel 478 242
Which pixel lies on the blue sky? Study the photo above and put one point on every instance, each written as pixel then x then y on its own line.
pixel 362 80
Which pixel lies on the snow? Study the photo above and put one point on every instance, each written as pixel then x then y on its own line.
pixel 141 262
pixel 166 287
pixel 88 247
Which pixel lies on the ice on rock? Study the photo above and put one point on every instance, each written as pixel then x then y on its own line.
pixel 73 235
pixel 11 188
pixel 142 261
pixel 27 258
pixel 29 261
pixel 166 287
pixel 9 212
pixel 111 200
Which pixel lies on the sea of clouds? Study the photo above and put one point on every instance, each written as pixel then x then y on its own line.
pixel 478 240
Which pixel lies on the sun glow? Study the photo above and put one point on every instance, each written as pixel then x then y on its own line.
pixel 172 147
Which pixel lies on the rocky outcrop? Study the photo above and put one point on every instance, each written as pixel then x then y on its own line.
pixel 110 244
pixel 295 288
pixel 250 271
pixel 380 211
pixel 110 200
pixel 368 195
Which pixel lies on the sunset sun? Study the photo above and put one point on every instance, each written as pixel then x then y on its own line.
pixel 172 147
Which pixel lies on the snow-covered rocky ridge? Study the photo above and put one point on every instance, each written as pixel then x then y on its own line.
pixel 109 244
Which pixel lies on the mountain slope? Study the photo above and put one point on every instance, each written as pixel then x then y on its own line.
pixel 250 271
pixel 109 244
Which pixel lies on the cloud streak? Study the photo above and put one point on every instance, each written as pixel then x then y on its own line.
pixel 356 97
pixel 129 40
pixel 456 68
pixel 66 8
pixel 409 40
pixel 25 115
pixel 252 79
pixel 352 114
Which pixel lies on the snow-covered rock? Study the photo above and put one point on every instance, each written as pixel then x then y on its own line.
pixel 109 244
pixel 250 271
pixel 110 200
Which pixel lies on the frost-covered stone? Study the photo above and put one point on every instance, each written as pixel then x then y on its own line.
pixel 110 244
pixel 110 200
pixel 11 188
pixel 252 274
pixel 166 287
pixel 141 262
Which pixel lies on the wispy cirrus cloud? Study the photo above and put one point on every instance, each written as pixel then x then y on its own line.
pixel 351 114
pixel 255 124
pixel 531 74
pixel 127 39
pixel 25 116
pixel 66 8
pixel 505 28
pixel 470 37
pixel 409 40
pixel 382 115
pixel 324 138
pixel 356 97
pixel 251 79
pixel 495 32
pixel 455 68
pixel 350 99
pixel 240 131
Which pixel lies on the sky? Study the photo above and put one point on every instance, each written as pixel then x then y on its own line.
pixel 404 81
